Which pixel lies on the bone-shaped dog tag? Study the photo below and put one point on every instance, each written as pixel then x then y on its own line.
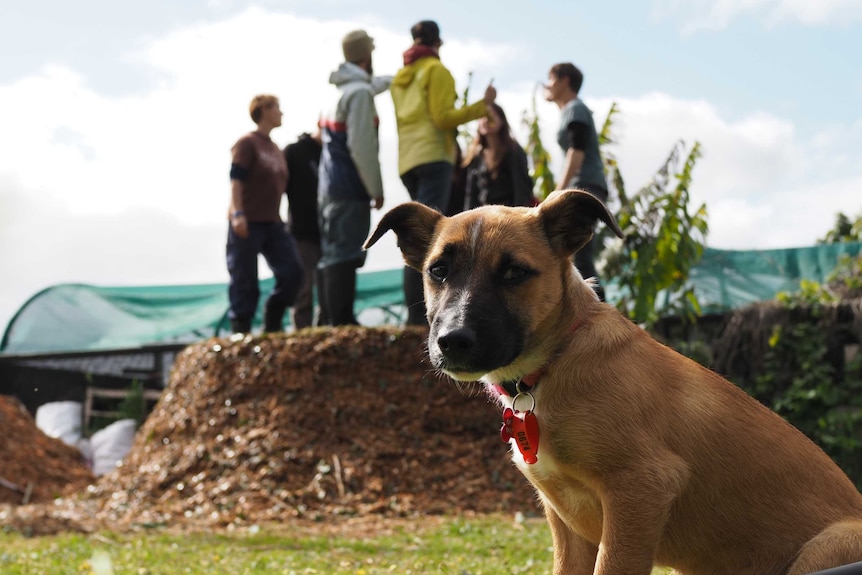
pixel 524 428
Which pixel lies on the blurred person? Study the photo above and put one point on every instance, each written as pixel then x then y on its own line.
pixel 577 137
pixel 424 96
pixel 349 177
pixel 303 160
pixel 496 165
pixel 258 176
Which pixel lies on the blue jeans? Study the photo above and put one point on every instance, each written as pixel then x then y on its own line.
pixel 430 184
pixel 278 248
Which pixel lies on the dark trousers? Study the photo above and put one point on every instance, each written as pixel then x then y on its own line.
pixel 278 248
pixel 429 184
pixel 303 307
pixel 584 259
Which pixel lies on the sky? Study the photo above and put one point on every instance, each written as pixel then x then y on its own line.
pixel 117 118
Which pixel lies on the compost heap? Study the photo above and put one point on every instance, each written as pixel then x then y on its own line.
pixel 35 467
pixel 321 425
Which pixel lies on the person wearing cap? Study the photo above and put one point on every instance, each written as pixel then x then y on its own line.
pixel 424 95
pixel 349 182
pixel 258 176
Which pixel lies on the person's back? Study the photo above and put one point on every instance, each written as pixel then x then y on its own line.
pixel 303 158
pixel 349 176
pixel 424 96
pixel 418 89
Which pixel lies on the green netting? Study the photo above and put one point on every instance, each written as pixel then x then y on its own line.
pixel 73 317
pixel 76 317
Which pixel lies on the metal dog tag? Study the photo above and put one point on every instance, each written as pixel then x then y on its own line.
pixel 523 427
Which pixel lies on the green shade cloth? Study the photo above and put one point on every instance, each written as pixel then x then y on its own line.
pixel 74 317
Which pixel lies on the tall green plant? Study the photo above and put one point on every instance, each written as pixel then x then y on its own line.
pixel 844 230
pixel 664 240
pixel 607 139
pixel 540 159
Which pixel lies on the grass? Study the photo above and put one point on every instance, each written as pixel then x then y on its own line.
pixel 482 546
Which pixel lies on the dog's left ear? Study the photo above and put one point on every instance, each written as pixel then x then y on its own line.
pixel 414 225
pixel 568 217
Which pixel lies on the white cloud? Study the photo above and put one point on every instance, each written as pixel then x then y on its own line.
pixel 698 15
pixel 133 190
pixel 763 184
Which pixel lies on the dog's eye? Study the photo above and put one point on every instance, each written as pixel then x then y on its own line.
pixel 439 271
pixel 515 274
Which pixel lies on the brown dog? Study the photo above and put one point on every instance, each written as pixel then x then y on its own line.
pixel 641 456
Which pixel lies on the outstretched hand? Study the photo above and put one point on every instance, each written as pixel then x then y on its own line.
pixel 490 94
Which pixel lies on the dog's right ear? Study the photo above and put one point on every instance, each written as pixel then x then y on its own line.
pixel 414 225
pixel 568 217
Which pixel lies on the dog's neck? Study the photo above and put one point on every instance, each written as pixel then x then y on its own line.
pixel 531 380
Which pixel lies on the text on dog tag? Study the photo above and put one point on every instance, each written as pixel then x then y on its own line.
pixel 523 427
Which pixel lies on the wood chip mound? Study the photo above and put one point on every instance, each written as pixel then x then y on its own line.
pixel 325 425
pixel 35 467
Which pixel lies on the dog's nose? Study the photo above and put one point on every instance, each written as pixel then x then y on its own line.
pixel 457 341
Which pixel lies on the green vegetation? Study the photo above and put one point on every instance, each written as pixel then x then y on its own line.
pixel 844 230
pixel 484 546
pixel 664 236
pixel 540 158
pixel 803 380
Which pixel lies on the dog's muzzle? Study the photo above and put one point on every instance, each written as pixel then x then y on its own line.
pixel 464 343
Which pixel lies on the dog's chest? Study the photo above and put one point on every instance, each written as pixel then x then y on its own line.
pixel 576 504
pixel 558 484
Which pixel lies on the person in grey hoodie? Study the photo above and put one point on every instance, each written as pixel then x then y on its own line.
pixel 349 181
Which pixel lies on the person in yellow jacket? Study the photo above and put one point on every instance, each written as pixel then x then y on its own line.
pixel 424 95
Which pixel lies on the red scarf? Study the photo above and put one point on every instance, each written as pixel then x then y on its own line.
pixel 418 51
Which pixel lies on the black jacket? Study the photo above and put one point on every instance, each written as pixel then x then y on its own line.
pixel 303 157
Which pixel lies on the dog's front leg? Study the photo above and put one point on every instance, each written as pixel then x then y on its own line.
pixel 573 555
pixel 636 507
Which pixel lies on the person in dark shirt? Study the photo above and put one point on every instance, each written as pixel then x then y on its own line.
pixel 577 137
pixel 496 165
pixel 258 176
pixel 303 158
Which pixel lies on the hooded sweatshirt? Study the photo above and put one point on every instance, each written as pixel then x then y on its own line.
pixel 423 92
pixel 349 166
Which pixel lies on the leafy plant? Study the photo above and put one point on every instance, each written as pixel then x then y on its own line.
pixel 540 159
pixel 844 230
pixel 664 240
pixel 799 378
pixel 134 405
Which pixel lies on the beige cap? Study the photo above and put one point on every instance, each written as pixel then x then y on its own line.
pixel 357 46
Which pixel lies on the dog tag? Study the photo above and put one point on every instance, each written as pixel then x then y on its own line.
pixel 524 429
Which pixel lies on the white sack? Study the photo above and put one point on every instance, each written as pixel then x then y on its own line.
pixel 111 444
pixel 61 419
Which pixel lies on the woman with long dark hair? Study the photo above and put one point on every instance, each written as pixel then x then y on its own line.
pixel 496 165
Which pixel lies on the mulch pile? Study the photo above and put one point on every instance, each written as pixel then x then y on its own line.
pixel 31 459
pixel 323 425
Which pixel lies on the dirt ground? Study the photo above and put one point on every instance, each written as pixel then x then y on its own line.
pixel 342 427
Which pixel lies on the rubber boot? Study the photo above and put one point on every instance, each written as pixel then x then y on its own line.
pixel 340 292
pixel 414 299
pixel 273 316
